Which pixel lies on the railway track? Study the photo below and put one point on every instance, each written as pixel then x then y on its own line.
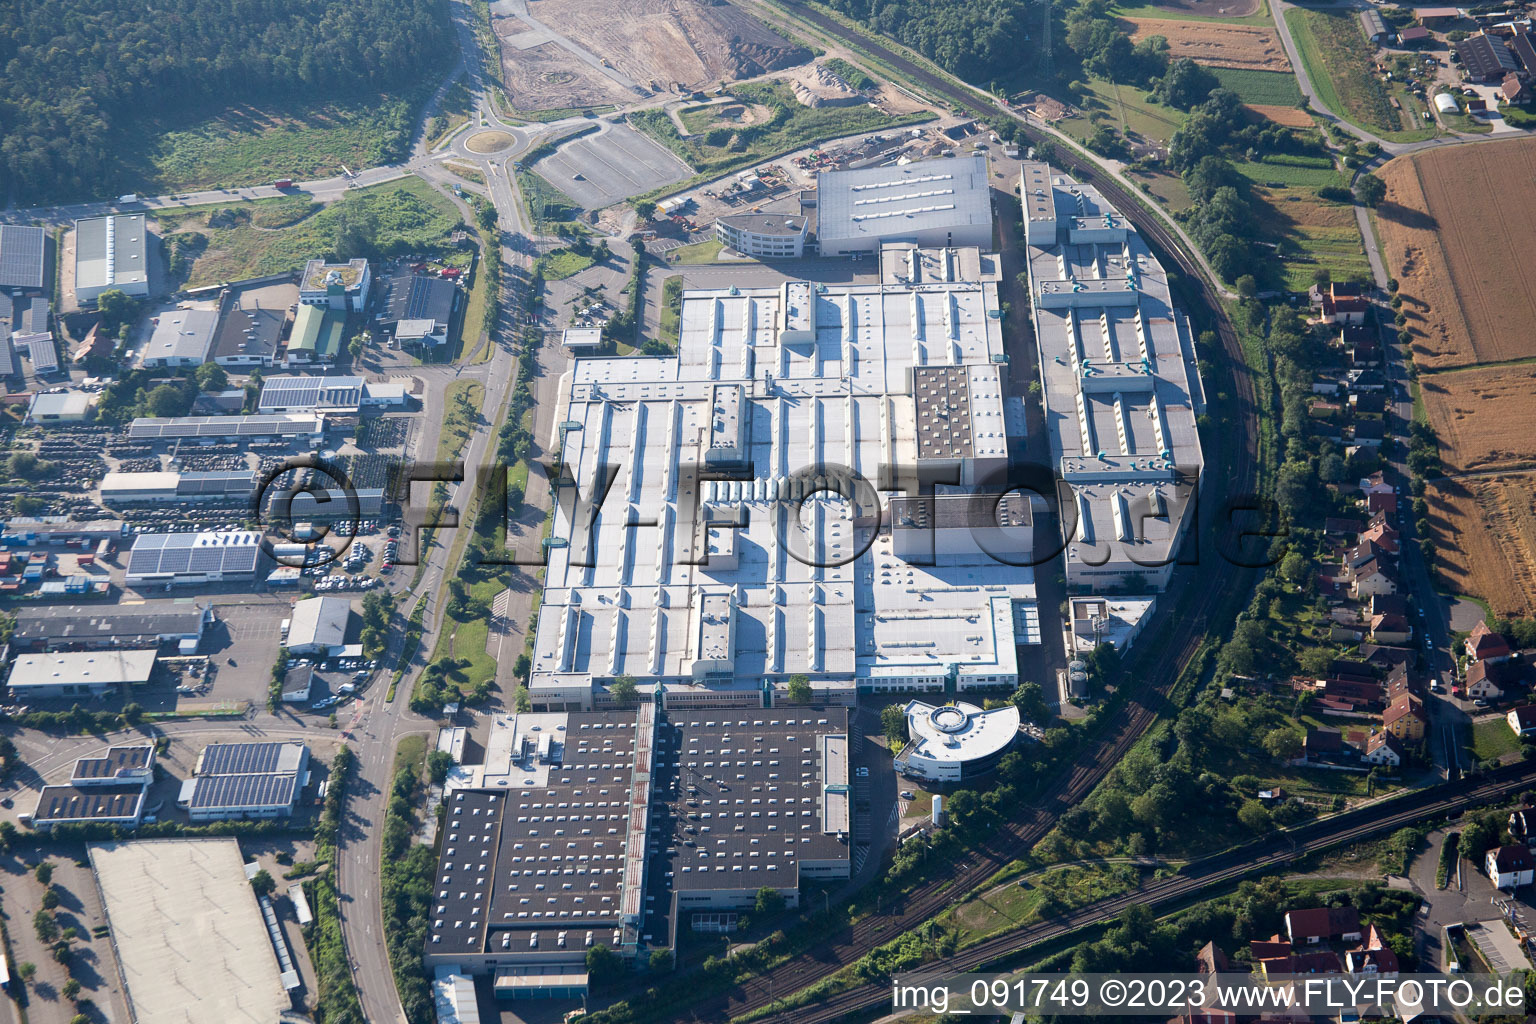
pixel 1184 633
pixel 1221 871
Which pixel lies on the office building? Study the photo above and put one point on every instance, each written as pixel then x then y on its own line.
pixel 765 236
pixel 338 286
pixel 957 741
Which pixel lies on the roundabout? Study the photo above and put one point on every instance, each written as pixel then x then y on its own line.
pixel 490 142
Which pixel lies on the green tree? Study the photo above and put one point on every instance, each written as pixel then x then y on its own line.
pixel 769 901
pixel 1254 816
pixel 1283 743
pixel 1295 567
pixel 893 723
pixel 43 872
pixel 645 209
pixel 603 964
pixel 1370 189
pixel 50 898
pixel 22 466
pixel 799 689
pixel 45 926
pixel 1246 286
pixel 27 969
pixel 262 882
pixel 166 400
pixel 117 308
pixel 28 504
pixel 661 960
pixel 1029 698
pixel 439 764
pixel 624 690
pixel 211 377
pixel 71 989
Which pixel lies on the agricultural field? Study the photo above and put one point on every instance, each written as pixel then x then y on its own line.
pixel 1485 416
pixel 1458 249
pixel 1282 170
pixel 1216 43
pixel 641 46
pixel 1194 10
pixel 1484 530
pixel 1260 88
pixel 1302 224
pixel 1341 63
pixel 249 145
pixel 241 240
pixel 1286 117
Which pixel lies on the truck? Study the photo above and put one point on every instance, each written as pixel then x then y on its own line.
pixel 131 197
pixel 283 183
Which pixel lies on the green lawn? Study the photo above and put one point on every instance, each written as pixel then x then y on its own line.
pixel 1265 88
pixel 671 309
pixel 550 210
pixel 562 263
pixel 1493 738
pixel 1341 64
pixel 248 145
pixel 707 251
pixel 407 215
pixel 791 127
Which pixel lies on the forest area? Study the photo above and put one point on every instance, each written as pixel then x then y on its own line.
pixel 84 80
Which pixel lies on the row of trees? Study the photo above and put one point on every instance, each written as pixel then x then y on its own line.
pixel 976 41
pixel 82 82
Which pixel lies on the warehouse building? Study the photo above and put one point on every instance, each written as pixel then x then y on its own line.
pixel 763 236
pixel 221 487
pixel 957 741
pixel 22 256
pixel 245 780
pixel 337 286
pixel 688 578
pixel 111 252
pixel 182 337
pixel 681 813
pixel 25 531
pixel 1487 58
pixel 247 336
pixel 318 626
pixel 79 673
pixel 188 931
pixel 108 789
pixel 62 406
pixel 1121 386
pixel 420 309
pixel 316 338
pixel 84 627
pixel 929 203
pixel 335 395
pixel 203 557
pixel 276 427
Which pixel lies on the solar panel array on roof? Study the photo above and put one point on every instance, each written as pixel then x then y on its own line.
pixel 416 297
pixel 248 758
pixel 21 256
pixel 34 318
pixel 86 803
pixel 221 791
pixel 151 428
pixel 237 481
pixel 42 352
pixel 174 554
pixel 311 393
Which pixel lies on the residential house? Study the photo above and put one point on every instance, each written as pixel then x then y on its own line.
pixel 1328 385
pixel 1522 720
pixel 1388 657
pixel 1362 345
pixel 1486 645
pixel 1406 718
pixel 1363 552
pixel 1368 403
pixel 1368 433
pixel 1482 681
pixel 1515 90
pixel 1384 749
pixel 1376 483
pixel 1373 956
pixel 1323 924
pixel 1338 526
pixel 1322 745
pixel 1381 533
pixel 1353 693
pixel 1510 867
pixel 1402 679
pixel 1345 303
pixel 1378 576
pixel 1385 504
pixel 1390 627
pixel 1413 35
pixel 1365 379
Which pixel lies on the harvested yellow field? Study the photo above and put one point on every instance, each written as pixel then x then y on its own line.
pixel 1288 117
pixel 1456 228
pixel 1215 43
pixel 1484 529
pixel 1485 416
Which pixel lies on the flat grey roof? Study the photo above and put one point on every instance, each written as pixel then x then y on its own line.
pixel 878 202
pixel 148 428
pixel 21 256
pixel 319 620
pixel 182 335
pixel 82 668
pixel 57 804
pixel 767 223
pixel 66 623
pixel 248 334
pixel 188 932
pixel 111 251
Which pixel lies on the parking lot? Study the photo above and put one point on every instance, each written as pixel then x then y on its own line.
pixel 610 166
